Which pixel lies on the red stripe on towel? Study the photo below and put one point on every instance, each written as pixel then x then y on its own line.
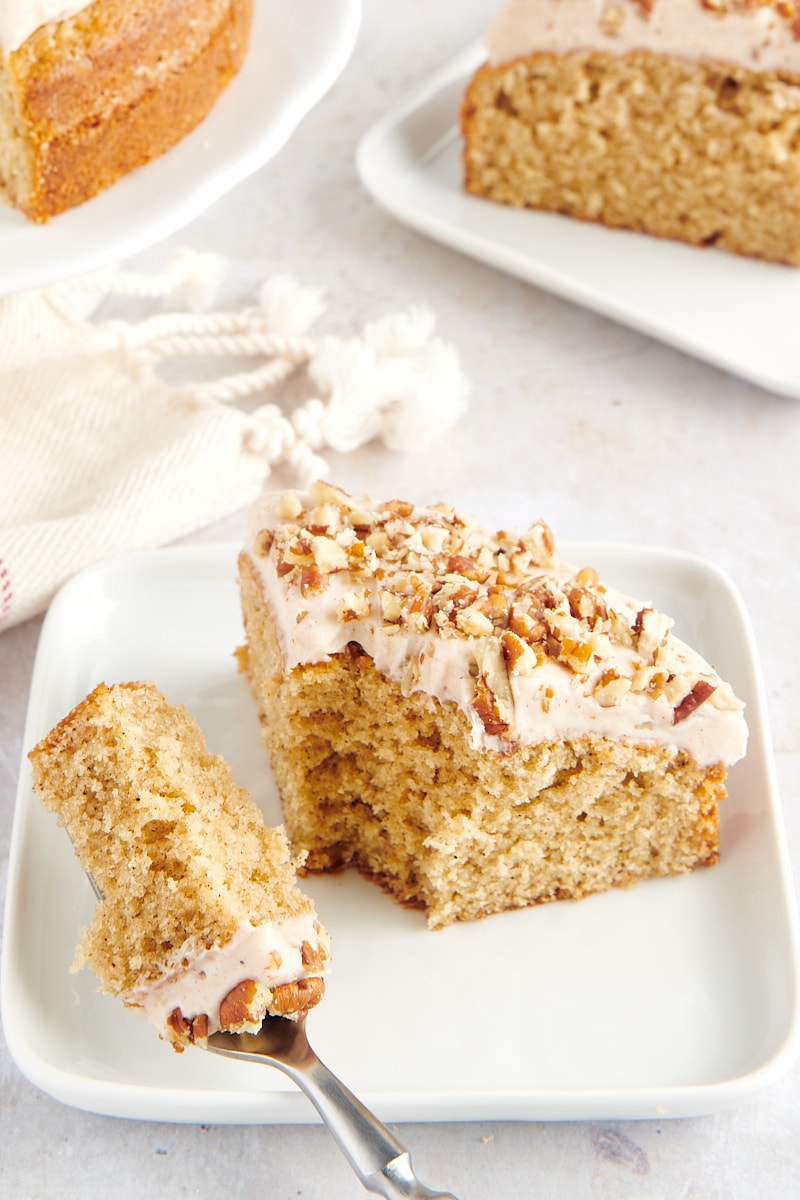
pixel 6 592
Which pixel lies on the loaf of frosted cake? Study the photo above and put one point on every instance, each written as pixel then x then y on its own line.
pixel 470 722
pixel 201 925
pixel 677 118
pixel 89 91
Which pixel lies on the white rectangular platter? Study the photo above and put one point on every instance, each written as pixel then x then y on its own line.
pixel 675 998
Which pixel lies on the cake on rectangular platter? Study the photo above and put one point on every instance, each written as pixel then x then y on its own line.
pixel 677 118
pixel 89 91
pixel 201 925
pixel 470 722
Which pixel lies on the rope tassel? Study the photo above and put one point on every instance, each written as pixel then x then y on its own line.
pixel 394 381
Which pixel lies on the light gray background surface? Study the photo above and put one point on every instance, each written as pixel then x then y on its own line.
pixel 609 436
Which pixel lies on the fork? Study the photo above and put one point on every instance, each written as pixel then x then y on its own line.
pixel 381 1163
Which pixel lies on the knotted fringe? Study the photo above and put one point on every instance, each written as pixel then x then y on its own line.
pixel 393 381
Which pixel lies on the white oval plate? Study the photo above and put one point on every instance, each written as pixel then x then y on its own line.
pixel 674 998
pixel 296 52
pixel 736 313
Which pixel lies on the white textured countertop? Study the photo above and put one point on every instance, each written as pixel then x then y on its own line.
pixel 608 436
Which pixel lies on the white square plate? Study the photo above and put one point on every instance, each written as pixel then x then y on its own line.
pixel 675 998
pixel 296 52
pixel 734 312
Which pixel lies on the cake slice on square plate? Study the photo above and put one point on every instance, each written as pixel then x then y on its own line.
pixel 470 722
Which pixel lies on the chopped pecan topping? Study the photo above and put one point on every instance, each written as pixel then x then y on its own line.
pixel 428 571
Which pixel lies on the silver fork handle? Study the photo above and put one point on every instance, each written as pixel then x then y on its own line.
pixel 382 1164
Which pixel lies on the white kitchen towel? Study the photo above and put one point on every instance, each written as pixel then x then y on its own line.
pixel 101 455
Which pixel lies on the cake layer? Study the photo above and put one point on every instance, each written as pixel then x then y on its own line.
pixel 86 100
pixel 201 923
pixel 467 720
pixel 701 153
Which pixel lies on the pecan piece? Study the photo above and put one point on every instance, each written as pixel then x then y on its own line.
pixel 199 1034
pixel 263 543
pixel 700 692
pixel 312 956
pixel 459 564
pixel 322 492
pixel 312 580
pixel 400 508
pixel 234 1009
pixel 294 999
pixel 517 654
pixel 638 624
pixel 179 1025
pixel 485 704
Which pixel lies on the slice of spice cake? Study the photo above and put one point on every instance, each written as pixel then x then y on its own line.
pixel 201 925
pixel 89 91
pixel 468 720
pixel 676 118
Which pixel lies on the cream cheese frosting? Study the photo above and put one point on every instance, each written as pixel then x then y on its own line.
pixel 526 646
pixel 754 36
pixel 196 981
pixel 20 18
